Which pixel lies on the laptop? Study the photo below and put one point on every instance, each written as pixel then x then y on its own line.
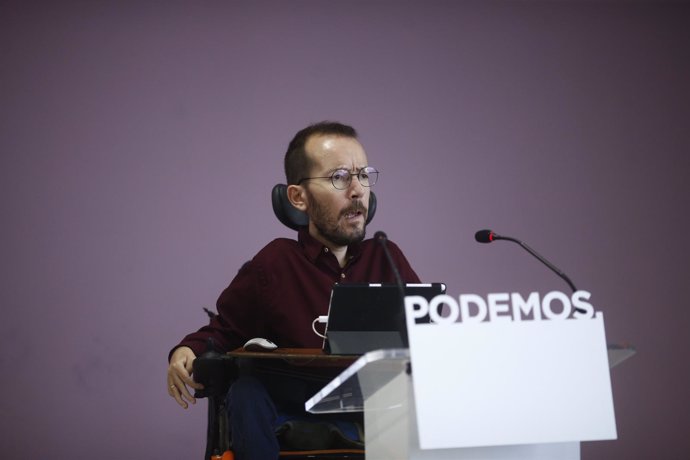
pixel 364 317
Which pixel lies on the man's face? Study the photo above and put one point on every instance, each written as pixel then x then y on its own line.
pixel 336 217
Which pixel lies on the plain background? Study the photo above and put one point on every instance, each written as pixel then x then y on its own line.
pixel 139 142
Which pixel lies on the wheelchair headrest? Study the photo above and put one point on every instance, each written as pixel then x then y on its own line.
pixel 293 217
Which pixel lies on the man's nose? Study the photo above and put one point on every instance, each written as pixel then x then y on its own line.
pixel 356 188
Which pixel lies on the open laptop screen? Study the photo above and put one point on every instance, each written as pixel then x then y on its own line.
pixel 366 317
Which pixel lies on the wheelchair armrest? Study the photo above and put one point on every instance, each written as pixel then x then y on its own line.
pixel 215 371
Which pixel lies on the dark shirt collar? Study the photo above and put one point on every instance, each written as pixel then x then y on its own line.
pixel 313 248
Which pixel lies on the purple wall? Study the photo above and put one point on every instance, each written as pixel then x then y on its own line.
pixel 139 142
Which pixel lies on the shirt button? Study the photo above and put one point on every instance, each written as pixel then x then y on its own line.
pixel 342 275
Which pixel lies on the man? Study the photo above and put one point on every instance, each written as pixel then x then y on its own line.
pixel 279 293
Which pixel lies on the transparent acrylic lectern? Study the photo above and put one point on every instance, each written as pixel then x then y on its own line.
pixel 379 383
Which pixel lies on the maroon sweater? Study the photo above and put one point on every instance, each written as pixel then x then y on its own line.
pixel 286 286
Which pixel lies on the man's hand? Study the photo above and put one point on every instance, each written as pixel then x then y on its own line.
pixel 180 376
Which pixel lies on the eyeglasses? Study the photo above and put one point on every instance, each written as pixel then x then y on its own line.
pixel 341 178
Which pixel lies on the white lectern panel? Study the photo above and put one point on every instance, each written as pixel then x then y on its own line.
pixel 510 383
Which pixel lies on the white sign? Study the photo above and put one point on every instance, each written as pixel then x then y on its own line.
pixel 510 381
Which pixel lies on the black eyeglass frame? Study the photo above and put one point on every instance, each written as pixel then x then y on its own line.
pixel 370 171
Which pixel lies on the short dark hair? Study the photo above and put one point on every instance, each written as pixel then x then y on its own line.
pixel 297 163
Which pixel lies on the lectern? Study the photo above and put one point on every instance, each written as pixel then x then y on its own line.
pixel 380 384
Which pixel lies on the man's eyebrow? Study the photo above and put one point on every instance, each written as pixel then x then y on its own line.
pixel 338 168
pixel 347 168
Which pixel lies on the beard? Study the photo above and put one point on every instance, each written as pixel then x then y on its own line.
pixel 330 227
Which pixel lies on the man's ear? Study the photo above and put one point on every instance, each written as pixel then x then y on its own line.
pixel 297 196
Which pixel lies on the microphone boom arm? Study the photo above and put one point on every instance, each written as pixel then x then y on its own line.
pixel 555 269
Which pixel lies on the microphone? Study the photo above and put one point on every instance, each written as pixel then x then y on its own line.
pixel 488 236
pixel 383 241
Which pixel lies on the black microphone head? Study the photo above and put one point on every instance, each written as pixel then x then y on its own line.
pixel 380 236
pixel 484 236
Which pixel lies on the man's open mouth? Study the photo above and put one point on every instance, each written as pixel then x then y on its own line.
pixel 353 213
